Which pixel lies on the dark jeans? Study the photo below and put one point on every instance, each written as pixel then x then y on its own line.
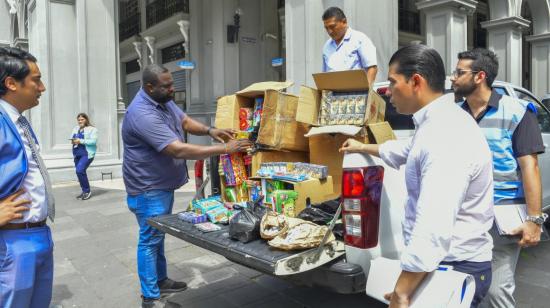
pixel 481 271
pixel 82 163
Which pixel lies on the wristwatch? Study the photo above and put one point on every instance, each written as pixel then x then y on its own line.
pixel 539 220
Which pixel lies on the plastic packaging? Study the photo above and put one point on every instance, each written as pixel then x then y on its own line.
pixel 244 226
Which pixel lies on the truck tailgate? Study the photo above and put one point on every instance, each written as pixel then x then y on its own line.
pixel 255 254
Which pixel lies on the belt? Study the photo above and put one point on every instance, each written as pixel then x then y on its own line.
pixel 23 225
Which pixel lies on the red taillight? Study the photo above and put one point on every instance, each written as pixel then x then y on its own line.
pixel 353 183
pixel 382 91
pixel 361 193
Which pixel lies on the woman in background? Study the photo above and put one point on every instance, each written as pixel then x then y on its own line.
pixel 84 139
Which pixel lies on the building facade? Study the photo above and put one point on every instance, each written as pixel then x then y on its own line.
pixel 92 52
pixel 75 44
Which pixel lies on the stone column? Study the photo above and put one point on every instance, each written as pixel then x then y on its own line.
pixel 540 66
pixel 505 39
pixel 446 27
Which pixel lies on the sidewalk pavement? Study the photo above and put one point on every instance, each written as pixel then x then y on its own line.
pixel 95 263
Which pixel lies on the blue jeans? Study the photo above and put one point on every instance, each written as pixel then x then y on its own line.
pixel 151 261
pixel 82 163
pixel 26 267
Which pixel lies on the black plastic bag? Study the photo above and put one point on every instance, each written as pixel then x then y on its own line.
pixel 329 206
pixel 316 215
pixel 245 225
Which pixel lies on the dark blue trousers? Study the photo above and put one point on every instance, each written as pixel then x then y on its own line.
pixel 82 162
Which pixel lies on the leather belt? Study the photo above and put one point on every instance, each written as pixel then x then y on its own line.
pixel 23 225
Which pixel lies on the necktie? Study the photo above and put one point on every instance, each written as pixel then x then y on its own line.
pixel 41 166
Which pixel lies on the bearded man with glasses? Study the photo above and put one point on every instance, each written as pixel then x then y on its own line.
pixel 511 128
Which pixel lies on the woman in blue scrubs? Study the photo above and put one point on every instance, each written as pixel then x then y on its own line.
pixel 84 140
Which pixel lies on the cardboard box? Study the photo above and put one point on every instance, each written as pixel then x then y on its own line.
pixel 277 156
pixel 279 129
pixel 313 190
pixel 344 81
pixel 324 143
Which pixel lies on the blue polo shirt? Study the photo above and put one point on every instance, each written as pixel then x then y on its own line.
pixel 355 51
pixel 147 129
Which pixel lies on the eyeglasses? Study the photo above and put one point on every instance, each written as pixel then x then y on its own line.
pixel 458 73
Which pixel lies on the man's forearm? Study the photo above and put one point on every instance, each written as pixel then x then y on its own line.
pixel 194 127
pixel 532 187
pixel 192 151
pixel 371 149
pixel 407 283
pixel 371 74
pixel 533 191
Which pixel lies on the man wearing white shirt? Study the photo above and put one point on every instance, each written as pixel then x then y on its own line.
pixel 448 170
pixel 347 49
pixel 26 247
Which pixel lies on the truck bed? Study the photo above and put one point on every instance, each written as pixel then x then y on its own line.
pixel 256 254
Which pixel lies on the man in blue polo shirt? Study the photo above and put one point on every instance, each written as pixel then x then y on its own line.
pixel 154 166
pixel 347 49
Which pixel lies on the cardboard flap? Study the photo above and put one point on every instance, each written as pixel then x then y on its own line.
pixel 257 89
pixel 349 130
pixel 381 132
pixel 353 80
pixel 225 112
pixel 308 106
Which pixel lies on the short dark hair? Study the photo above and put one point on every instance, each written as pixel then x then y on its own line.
pixel 423 60
pixel 13 63
pixel 483 60
pixel 151 74
pixel 85 116
pixel 335 12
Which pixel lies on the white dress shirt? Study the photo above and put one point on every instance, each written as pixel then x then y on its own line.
pixel 33 183
pixel 449 181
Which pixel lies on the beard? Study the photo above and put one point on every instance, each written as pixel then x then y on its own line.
pixel 162 98
pixel 465 90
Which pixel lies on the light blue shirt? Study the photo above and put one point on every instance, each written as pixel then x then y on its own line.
pixel 355 51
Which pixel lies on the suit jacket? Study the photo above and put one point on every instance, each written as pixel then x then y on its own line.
pixel 13 159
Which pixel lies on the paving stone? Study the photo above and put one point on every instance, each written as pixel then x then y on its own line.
pixel 247 294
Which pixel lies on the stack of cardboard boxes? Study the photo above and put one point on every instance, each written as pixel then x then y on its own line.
pixel 299 129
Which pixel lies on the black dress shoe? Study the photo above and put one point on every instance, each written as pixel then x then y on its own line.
pixel 170 286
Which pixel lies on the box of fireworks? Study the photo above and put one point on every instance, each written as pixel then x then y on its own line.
pixel 218 215
pixel 292 171
pixel 276 156
pixel 264 104
pixel 324 143
pixel 192 217
pixel 202 206
pixel 207 227
pixel 341 98
pixel 284 202
pixel 309 191
pixel 254 190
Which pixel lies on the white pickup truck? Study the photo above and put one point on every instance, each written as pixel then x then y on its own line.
pixel 373 196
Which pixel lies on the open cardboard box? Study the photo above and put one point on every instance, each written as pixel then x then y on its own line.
pixel 277 156
pixel 324 143
pixel 279 129
pixel 309 106
pixel 312 190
